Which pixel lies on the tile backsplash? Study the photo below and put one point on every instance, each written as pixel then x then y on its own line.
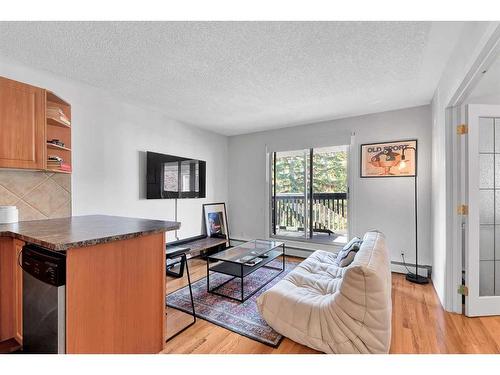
pixel 37 195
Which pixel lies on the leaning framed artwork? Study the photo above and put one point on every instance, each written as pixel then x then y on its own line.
pixel 216 220
pixel 389 159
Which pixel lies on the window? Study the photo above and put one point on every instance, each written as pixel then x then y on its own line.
pixel 309 194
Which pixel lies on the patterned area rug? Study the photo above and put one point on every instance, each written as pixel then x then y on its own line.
pixel 242 318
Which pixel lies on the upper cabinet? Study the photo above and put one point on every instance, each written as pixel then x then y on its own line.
pixel 22 125
pixel 35 128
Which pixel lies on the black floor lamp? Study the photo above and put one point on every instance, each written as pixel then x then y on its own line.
pixel 414 277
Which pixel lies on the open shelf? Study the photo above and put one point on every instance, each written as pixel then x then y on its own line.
pixel 58 130
pixel 53 98
pixel 56 147
pixel 56 122
pixel 57 171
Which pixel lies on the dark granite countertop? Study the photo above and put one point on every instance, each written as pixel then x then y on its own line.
pixel 79 231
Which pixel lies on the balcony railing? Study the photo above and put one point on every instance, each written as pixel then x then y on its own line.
pixel 329 212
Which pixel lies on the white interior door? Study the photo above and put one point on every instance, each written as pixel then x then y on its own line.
pixel 483 223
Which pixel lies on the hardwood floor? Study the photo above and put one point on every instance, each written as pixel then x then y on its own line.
pixel 419 325
pixel 204 337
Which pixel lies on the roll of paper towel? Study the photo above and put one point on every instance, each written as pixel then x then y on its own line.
pixel 9 214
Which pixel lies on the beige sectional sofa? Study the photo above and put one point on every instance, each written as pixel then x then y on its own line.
pixel 335 309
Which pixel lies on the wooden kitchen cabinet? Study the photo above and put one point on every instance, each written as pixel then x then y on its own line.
pixel 7 289
pixel 35 124
pixel 22 125
pixel 11 290
pixel 18 274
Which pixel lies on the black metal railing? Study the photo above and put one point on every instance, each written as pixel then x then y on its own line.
pixel 329 212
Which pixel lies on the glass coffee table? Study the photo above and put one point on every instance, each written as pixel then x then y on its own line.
pixel 243 260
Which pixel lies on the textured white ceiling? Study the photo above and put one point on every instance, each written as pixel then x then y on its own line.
pixel 242 77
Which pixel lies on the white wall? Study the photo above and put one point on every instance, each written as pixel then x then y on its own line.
pixel 383 203
pixel 471 43
pixel 109 137
pixel 487 99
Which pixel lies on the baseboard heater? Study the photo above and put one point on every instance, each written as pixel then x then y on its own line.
pixel 397 267
pixel 402 266
pixel 287 246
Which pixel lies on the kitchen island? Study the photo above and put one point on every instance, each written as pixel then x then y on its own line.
pixel 115 280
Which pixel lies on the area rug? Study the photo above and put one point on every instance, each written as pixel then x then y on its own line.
pixel 242 318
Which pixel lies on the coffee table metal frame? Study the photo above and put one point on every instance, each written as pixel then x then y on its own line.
pixel 242 270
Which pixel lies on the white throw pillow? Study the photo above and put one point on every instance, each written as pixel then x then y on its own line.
pixel 348 252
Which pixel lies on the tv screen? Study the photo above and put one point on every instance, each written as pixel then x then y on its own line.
pixel 174 177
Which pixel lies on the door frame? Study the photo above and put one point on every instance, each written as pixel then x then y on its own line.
pixel 456 236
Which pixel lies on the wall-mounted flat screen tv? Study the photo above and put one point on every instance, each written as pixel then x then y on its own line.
pixel 174 177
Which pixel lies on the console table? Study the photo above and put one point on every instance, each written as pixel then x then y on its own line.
pixel 200 245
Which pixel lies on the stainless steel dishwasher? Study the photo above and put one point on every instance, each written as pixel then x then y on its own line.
pixel 44 300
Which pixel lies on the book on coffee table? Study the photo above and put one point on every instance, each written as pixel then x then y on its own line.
pixel 253 262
